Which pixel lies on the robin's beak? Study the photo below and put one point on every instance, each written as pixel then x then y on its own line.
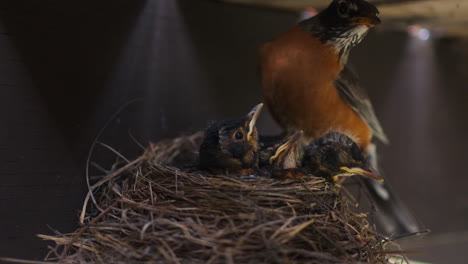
pixel 252 116
pixel 283 151
pixel 368 21
pixel 359 171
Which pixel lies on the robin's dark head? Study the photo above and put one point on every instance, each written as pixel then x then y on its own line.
pixel 336 154
pixel 343 24
pixel 231 145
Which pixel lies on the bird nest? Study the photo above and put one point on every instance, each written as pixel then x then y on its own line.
pixel 160 209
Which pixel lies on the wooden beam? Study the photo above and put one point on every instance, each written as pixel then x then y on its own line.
pixel 448 16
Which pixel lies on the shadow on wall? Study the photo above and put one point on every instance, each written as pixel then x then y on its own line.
pixel 70 49
pixel 190 61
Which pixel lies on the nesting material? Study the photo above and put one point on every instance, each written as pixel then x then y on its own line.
pixel 150 211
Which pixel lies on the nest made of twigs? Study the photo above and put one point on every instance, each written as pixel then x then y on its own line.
pixel 148 211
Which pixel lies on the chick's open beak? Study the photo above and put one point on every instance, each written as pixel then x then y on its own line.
pixel 289 146
pixel 359 171
pixel 252 117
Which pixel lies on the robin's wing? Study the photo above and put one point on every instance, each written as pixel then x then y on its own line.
pixel 352 92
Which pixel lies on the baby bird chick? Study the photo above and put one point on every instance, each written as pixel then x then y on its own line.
pixel 286 158
pixel 332 156
pixel 336 155
pixel 231 146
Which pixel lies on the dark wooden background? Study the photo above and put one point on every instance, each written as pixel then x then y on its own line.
pixel 67 66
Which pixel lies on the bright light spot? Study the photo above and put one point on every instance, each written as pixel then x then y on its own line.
pixel 307 13
pixel 419 32
pixel 424 34
pixel 312 11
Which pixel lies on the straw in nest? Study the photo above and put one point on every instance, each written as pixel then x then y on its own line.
pixel 149 211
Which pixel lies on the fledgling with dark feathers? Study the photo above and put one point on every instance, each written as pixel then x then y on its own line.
pixel 330 156
pixel 268 146
pixel 283 158
pixel 333 154
pixel 231 145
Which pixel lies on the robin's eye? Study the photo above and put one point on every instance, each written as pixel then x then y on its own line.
pixel 239 135
pixel 343 8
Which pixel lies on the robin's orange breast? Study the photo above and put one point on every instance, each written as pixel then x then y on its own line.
pixel 298 74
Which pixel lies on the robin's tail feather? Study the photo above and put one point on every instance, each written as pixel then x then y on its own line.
pixel 392 216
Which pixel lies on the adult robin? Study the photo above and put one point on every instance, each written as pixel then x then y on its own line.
pixel 307 86
pixel 304 80
pixel 231 145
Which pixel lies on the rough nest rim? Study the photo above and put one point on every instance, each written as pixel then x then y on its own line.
pixel 147 211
